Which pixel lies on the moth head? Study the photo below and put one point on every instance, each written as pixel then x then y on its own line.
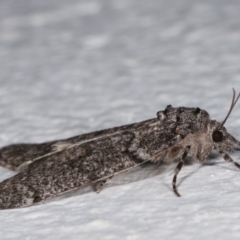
pixel 221 138
pixel 223 141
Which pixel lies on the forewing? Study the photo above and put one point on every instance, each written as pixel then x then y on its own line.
pixel 68 170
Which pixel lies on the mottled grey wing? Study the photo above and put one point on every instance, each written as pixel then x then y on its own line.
pixel 13 156
pixel 68 170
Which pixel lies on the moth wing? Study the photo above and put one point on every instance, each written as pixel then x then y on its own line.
pixel 67 170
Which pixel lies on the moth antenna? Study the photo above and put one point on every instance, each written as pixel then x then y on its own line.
pixel 234 101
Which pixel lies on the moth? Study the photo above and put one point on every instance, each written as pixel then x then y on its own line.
pixel 49 169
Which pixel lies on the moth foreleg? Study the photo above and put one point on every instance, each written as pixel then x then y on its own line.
pixel 228 159
pixel 98 186
pixel 178 169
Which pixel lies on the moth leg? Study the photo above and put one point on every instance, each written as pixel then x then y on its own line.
pixel 228 159
pixel 98 186
pixel 178 169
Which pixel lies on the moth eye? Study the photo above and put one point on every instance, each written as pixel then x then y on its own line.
pixel 217 136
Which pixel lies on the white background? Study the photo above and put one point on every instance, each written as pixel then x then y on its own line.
pixel 71 67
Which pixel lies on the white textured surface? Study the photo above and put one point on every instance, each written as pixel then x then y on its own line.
pixel 69 67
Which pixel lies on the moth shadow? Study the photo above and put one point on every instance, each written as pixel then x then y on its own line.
pixel 214 159
pixel 210 161
pixel 180 180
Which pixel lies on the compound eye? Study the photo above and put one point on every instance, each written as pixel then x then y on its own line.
pixel 217 136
